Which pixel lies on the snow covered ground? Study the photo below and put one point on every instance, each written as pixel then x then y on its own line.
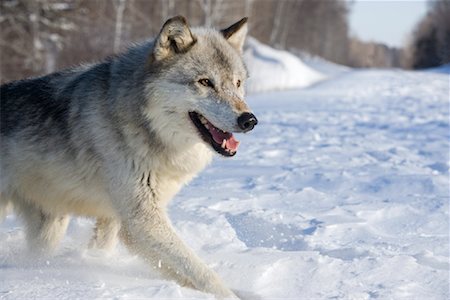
pixel 323 66
pixel 441 69
pixel 340 192
pixel 271 69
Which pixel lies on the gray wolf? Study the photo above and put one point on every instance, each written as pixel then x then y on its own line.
pixel 117 139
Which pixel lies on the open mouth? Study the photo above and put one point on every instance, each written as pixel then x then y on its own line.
pixel 223 142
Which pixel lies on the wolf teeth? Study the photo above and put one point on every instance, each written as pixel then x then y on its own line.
pixel 224 143
pixel 230 151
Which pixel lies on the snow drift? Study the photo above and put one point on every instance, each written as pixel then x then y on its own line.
pixel 325 67
pixel 441 69
pixel 272 69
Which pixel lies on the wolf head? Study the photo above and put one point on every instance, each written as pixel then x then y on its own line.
pixel 198 89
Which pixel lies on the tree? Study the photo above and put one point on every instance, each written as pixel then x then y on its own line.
pixel 41 36
pixel 119 6
pixel 431 39
pixel 38 25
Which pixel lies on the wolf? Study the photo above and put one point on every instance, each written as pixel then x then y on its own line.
pixel 116 140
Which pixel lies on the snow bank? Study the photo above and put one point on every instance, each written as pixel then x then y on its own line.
pixel 441 69
pixel 323 66
pixel 272 69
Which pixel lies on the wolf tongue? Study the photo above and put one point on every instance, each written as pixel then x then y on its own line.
pixel 230 142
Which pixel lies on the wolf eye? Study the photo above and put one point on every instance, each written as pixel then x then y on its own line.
pixel 206 82
pixel 238 83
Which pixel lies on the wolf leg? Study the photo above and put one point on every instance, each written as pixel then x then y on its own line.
pixel 44 230
pixel 150 235
pixel 105 234
pixel 157 264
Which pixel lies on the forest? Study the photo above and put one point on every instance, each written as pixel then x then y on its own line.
pixel 42 36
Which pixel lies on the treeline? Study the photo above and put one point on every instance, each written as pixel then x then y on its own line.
pixel 375 55
pixel 430 46
pixel 41 36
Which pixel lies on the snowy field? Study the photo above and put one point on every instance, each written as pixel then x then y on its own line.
pixel 340 192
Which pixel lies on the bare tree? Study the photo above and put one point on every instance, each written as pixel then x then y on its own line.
pixel 212 10
pixel 430 46
pixel 119 6
pixel 277 22
pixel 38 25
pixel 39 36
pixel 248 5
pixel 167 9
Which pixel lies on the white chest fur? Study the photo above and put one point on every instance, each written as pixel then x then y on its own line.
pixel 177 170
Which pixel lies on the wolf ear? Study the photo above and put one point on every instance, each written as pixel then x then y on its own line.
pixel 174 37
pixel 236 33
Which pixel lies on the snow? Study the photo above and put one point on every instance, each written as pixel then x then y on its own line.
pixel 441 69
pixel 340 192
pixel 272 69
pixel 329 69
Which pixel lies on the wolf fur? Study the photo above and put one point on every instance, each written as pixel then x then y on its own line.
pixel 114 141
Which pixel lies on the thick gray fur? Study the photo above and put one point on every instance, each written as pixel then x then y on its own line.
pixel 114 141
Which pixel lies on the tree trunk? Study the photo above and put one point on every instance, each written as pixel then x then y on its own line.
pixel 119 5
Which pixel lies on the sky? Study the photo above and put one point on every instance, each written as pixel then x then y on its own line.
pixel 388 22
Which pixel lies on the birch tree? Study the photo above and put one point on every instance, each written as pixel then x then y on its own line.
pixel 119 6
pixel 35 25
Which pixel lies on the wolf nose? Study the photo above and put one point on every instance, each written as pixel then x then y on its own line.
pixel 247 121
